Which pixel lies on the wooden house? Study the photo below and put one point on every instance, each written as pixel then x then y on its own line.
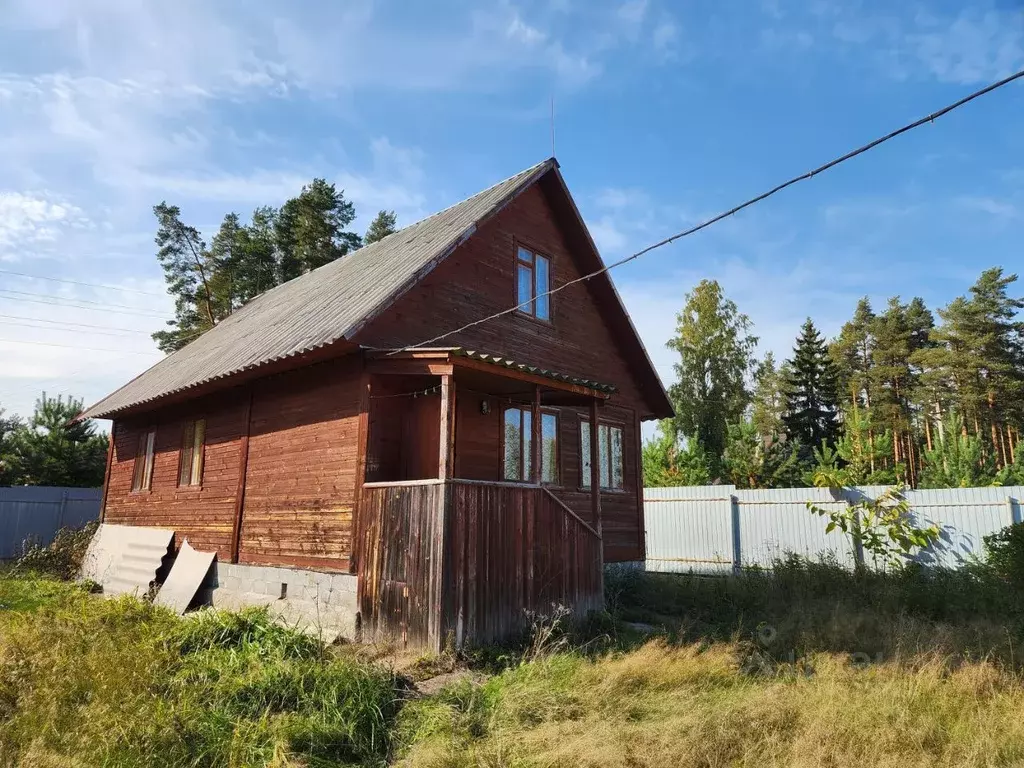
pixel 460 481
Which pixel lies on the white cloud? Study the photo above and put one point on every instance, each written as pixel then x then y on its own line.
pixel 30 218
pixel 665 36
pixel 990 205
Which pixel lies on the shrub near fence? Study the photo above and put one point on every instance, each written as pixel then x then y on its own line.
pixel 35 513
pixel 717 529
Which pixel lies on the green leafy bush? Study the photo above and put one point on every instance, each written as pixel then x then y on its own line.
pixel 62 558
pixel 1004 552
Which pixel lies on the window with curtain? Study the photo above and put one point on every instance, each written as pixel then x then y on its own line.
pixel 190 465
pixel 142 476
pixel 609 450
pixel 518 423
pixel 533 281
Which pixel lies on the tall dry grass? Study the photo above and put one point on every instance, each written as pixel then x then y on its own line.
pixel 703 706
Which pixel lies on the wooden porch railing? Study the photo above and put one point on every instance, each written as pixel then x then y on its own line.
pixel 464 561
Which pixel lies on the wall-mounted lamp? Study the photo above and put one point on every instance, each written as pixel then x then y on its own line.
pixel 485 407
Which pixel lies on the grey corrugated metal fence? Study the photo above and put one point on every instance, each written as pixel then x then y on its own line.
pixel 715 529
pixel 36 513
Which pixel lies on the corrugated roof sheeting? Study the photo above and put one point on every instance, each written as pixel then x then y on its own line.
pixel 318 308
pixel 504 362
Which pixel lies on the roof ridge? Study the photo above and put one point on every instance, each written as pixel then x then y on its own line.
pixel 308 312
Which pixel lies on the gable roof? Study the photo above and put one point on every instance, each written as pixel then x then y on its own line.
pixel 327 305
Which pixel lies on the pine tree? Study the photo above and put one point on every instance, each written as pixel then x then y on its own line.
pixel 958 461
pixel 752 461
pixel 666 464
pixel 188 271
pixel 812 407
pixel 999 336
pixel 851 353
pixel 898 333
pixel 310 229
pixel 51 449
pixel 715 357
pixel 384 224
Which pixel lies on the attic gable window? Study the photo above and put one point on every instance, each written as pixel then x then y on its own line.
pixel 533 281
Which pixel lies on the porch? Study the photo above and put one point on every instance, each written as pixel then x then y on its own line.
pixel 461 531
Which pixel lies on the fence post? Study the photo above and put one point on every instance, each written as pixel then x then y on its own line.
pixel 1013 510
pixel 734 514
pixel 62 510
pixel 858 548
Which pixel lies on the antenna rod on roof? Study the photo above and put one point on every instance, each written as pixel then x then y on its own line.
pixel 552 125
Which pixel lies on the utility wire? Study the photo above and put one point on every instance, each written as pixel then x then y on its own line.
pixel 78 282
pixel 70 346
pixel 71 323
pixel 726 214
pixel 60 329
pixel 103 304
pixel 57 301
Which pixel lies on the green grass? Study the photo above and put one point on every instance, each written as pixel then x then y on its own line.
pixel 88 681
pixel 812 666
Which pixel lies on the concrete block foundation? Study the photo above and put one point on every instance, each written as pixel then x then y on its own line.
pixel 321 603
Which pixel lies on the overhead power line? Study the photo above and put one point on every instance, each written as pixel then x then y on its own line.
pixel 73 346
pixel 725 214
pixel 69 329
pixel 30 319
pixel 103 304
pixel 82 283
pixel 58 301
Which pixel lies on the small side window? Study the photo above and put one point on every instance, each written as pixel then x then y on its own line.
pixel 190 465
pixel 142 476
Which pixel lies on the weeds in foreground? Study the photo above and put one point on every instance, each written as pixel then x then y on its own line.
pixel 124 683
pixel 62 558
pixel 695 705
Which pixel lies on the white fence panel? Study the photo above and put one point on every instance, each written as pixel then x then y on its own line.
pixel 689 529
pixel 713 529
pixel 776 522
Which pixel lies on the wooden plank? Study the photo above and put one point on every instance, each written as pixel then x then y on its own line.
pixel 595 469
pixel 446 457
pixel 361 447
pixel 536 437
pixel 106 472
pixel 243 468
pixel 638 482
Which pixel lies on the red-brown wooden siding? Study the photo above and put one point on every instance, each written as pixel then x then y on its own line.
pixel 203 515
pixel 478 279
pixel 300 484
pixel 300 489
pixel 300 477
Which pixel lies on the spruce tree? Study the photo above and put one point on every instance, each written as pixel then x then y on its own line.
pixel 812 397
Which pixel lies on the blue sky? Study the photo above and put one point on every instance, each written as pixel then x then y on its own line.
pixel 665 113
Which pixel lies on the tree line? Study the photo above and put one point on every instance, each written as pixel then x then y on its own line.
pixel 899 396
pixel 243 259
pixel 49 448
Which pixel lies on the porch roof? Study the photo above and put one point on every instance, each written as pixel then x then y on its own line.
pixel 468 358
